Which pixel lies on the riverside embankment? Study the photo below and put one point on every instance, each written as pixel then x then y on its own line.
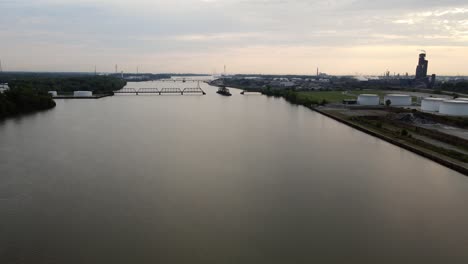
pixel 445 157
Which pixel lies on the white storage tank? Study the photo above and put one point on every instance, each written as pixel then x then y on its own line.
pixel 368 99
pixel 461 99
pixel 82 93
pixel 53 93
pixel 398 99
pixel 454 108
pixel 431 104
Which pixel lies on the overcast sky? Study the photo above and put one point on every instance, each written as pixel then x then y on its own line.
pixel 249 36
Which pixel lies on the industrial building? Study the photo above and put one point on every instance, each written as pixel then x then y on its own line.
pixel 368 99
pixel 83 94
pixel 4 87
pixel 421 69
pixel 52 93
pixel 431 104
pixel 421 77
pixel 398 99
pixel 454 108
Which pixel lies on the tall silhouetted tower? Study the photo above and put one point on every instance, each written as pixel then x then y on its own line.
pixel 421 70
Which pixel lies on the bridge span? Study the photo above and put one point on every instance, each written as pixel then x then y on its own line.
pixel 162 91
pixel 183 80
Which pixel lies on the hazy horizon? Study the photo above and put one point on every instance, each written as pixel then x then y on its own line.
pixel 346 37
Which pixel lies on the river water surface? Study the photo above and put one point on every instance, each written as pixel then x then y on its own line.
pixel 213 179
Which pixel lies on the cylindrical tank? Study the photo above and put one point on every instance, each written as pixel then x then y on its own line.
pixel 431 104
pixel 454 108
pixel 82 93
pixel 368 99
pixel 53 93
pixel 398 99
pixel 461 99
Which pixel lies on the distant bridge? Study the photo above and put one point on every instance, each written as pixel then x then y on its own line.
pixel 175 91
pixel 182 80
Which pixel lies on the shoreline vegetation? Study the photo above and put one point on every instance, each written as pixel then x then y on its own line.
pixel 428 143
pixel 28 93
pixel 96 84
pixel 22 101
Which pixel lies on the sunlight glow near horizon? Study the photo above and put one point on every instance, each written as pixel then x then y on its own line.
pixel 258 36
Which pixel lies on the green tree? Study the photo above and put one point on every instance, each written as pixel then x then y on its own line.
pixel 388 102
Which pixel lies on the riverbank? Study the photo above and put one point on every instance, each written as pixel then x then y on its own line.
pixel 412 138
pixel 434 156
pixel 94 96
pixel 63 85
pixel 22 101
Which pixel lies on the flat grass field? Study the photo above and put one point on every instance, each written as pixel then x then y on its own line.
pixel 329 96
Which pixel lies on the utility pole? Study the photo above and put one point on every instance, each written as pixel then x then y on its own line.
pixel 95 70
pixel 116 69
pixel 1 69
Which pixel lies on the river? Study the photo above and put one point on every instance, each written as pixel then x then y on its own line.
pixel 213 179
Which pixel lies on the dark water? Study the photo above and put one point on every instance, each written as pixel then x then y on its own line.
pixel 211 179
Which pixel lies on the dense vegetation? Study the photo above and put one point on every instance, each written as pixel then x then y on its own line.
pixel 28 91
pixel 460 87
pixel 6 77
pixel 96 84
pixel 18 101
pixel 295 97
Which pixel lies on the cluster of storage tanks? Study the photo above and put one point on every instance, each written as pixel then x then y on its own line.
pixel 395 99
pixel 455 107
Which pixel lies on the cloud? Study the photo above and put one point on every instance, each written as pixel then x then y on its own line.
pixel 115 30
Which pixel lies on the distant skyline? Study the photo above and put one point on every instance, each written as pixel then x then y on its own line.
pixel 255 36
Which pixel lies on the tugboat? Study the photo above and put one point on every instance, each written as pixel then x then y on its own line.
pixel 222 90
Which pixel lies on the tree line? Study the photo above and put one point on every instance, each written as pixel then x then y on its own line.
pixel 292 96
pixel 28 92
pixel 20 101
pixel 96 84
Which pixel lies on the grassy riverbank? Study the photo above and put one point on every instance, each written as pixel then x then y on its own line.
pixel 445 149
